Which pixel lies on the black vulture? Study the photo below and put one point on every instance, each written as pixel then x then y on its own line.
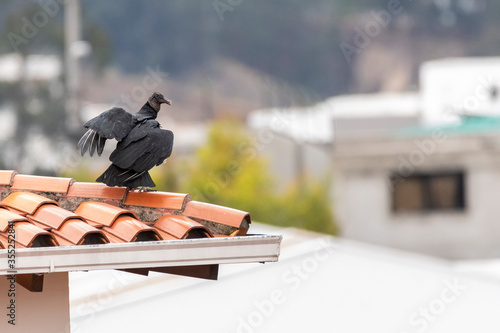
pixel 142 143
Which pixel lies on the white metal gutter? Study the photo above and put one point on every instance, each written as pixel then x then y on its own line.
pixel 186 252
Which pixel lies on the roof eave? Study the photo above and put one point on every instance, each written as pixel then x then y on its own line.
pixel 172 253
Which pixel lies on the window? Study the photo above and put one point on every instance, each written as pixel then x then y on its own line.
pixel 428 192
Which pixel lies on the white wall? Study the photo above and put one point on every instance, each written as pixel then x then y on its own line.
pixel 450 86
pixel 362 198
pixel 40 312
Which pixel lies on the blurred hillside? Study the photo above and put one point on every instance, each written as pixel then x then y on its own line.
pixel 297 42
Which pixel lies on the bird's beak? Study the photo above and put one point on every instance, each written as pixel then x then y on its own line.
pixel 169 102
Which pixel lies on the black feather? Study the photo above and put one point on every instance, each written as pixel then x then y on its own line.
pixel 142 144
pixel 116 176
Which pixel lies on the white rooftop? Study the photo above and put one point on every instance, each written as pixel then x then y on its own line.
pixel 463 63
pixel 320 284
pixel 455 86
pixel 315 123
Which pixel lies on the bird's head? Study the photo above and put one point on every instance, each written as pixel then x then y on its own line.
pixel 156 100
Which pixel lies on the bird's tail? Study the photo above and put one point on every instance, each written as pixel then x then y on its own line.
pixel 116 176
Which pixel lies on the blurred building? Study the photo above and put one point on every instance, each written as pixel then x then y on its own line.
pixel 32 68
pixel 431 190
pixel 450 87
pixel 298 141
pixel 416 171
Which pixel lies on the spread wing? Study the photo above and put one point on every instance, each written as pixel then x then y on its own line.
pixel 115 123
pixel 152 145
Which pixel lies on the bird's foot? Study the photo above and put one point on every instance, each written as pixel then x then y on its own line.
pixel 147 189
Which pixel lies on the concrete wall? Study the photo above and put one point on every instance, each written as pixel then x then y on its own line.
pixel 362 196
pixel 41 312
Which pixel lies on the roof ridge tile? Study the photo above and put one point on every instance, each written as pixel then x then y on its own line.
pixel 7 177
pixel 41 183
pixel 219 219
pixel 96 191
pixel 156 199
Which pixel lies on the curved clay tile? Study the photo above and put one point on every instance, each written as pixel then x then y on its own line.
pixel 132 230
pixel 26 202
pixel 102 213
pixel 165 235
pixel 54 216
pixel 81 233
pixel 7 217
pixel 182 227
pixel 28 235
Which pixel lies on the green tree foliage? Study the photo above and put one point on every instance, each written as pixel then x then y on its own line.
pixel 307 206
pixel 228 172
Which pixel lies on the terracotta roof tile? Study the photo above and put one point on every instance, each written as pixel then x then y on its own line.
pixel 54 216
pixel 7 217
pixel 68 215
pixel 42 184
pixel 67 225
pixel 78 232
pixel 166 200
pixel 61 240
pixel 29 235
pixel 23 232
pixel 102 213
pixel 6 177
pixel 130 229
pixel 165 235
pixel 181 227
pixel 96 191
pixel 112 238
pixel 49 211
pixel 26 202
pixel 213 214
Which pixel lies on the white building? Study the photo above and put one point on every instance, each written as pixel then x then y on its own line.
pixel 410 170
pixel 299 139
pixel 430 191
pixel 37 67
